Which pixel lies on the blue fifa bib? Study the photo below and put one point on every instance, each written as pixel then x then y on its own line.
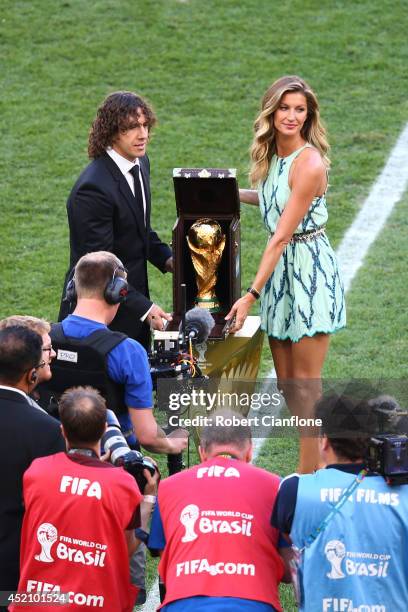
pixel 359 563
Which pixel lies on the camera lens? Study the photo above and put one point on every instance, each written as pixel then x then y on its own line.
pixel 114 441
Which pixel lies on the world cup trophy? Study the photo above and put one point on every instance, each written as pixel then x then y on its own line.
pixel 206 243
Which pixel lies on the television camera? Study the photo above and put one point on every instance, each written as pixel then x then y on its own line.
pixel 172 358
pixel 388 452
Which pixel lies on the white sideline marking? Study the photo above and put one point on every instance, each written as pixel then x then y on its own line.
pixel 152 600
pixel 387 191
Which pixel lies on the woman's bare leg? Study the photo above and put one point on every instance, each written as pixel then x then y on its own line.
pixel 298 366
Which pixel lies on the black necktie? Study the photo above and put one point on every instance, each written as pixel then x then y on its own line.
pixel 135 172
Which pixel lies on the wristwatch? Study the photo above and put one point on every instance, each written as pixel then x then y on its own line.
pixel 254 292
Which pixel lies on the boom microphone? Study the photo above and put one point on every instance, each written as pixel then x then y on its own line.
pixel 199 323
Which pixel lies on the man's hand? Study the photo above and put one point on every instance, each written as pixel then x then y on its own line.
pixel 152 437
pixel 169 265
pixel 155 316
pixel 106 456
pixel 152 482
pixel 178 440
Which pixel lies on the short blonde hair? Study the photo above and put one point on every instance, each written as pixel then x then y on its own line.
pixel 94 271
pixel 40 326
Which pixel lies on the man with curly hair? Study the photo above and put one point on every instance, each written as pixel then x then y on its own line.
pixel 109 209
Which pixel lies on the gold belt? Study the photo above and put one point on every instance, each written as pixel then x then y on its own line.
pixel 306 236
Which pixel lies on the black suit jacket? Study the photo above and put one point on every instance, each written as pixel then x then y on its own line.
pixel 103 215
pixel 26 433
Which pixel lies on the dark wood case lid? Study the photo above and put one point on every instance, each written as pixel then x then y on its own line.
pixel 207 192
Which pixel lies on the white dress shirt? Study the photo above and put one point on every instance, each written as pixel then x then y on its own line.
pixel 124 166
pixel 7 388
pixel 27 397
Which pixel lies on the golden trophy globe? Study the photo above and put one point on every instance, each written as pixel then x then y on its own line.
pixel 206 243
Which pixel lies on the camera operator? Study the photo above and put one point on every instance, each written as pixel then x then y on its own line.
pixel 26 433
pixel 349 528
pixel 81 513
pixel 41 327
pixel 100 286
pixel 212 522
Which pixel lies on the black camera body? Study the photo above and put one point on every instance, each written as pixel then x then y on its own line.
pixel 134 463
pixel 172 353
pixel 168 359
pixel 388 456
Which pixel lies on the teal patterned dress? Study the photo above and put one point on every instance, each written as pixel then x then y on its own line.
pixel 304 295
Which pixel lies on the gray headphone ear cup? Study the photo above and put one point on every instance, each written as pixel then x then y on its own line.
pixel 116 290
pixel 70 291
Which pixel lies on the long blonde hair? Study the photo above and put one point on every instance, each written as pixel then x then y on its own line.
pixel 264 143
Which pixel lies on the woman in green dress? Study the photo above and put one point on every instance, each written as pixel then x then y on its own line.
pixel 302 296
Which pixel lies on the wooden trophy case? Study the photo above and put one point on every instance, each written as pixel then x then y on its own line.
pixel 206 193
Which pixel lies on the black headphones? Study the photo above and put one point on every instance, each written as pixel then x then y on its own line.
pixel 115 291
pixel 33 377
pixel 117 288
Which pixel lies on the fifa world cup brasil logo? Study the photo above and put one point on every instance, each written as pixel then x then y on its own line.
pixel 188 518
pixel 206 243
pixel 335 552
pixel 47 535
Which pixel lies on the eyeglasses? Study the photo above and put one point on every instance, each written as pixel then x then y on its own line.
pixel 48 349
pixel 38 366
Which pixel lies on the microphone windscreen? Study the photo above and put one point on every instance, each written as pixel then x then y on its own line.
pixel 201 322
